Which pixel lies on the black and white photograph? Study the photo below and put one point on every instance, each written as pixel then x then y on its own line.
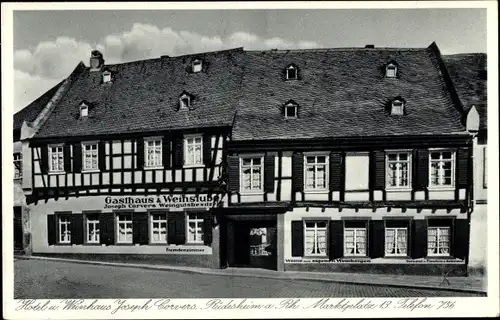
pixel 323 159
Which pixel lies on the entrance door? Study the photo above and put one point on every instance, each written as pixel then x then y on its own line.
pixel 263 247
pixel 18 228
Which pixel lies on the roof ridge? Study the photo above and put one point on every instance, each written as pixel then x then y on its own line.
pixel 339 49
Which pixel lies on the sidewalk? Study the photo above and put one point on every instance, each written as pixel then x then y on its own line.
pixel 462 284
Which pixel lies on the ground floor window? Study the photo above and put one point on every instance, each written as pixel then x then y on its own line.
pixel 64 229
pixel 158 228
pixel 355 238
pixel 195 228
pixel 315 238
pixel 396 241
pixel 124 227
pixel 92 223
pixel 438 241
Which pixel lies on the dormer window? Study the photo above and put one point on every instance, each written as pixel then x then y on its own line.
pixel 106 76
pixel 291 110
pixel 391 70
pixel 291 72
pixel 84 110
pixel 398 107
pixel 197 65
pixel 184 101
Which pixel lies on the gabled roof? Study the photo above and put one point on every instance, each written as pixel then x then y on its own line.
pixel 31 111
pixel 144 97
pixel 343 92
pixel 468 73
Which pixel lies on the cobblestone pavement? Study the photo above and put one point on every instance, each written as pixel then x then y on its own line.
pixel 40 279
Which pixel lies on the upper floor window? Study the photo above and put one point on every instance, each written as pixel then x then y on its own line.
pixel 391 70
pixel 291 110
pixel 153 153
pixel 195 228
pixel 64 229
pixel 316 172
pixel 442 168
pixel 315 238
pixel 398 107
pixel 84 110
pixel 197 65
pixel 56 158
pixel 398 169
pixel 193 150
pixel 251 173
pixel 106 76
pixel 90 156
pixel 292 72
pixel 18 165
pixel 184 102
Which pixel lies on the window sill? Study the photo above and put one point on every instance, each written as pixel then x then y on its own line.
pixel 249 193
pixel 316 257
pixel 397 257
pixel 91 171
pixel 154 168
pixel 444 188
pixel 54 173
pixel 393 189
pixel 193 166
pixel 316 191
pixel 124 244
pixel 158 243
pixel 197 244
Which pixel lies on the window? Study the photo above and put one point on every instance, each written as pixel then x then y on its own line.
pixel 396 241
pixel 84 111
pixel 158 228
pixel 291 110
pixel 56 156
pixel 193 154
pixel 485 168
pixel 90 156
pixel 398 108
pixel 291 72
pixel 398 169
pixel 391 70
pixel 153 153
pixel 438 241
pixel 124 227
pixel 316 168
pixel 106 76
pixel 315 238
pixel 251 173
pixel 185 102
pixel 92 222
pixel 18 165
pixel 64 229
pixel 195 228
pixel 197 66
pixel 355 240
pixel 442 168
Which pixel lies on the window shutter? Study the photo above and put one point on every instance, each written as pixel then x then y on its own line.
pixel 107 228
pixel 233 173
pixel 102 155
pixel 44 158
pixel 140 153
pixel 176 228
pixel 298 172
pixel 207 150
pixel 335 171
pixel 67 157
pixel 336 234
pixel 462 167
pixel 207 229
pixel 419 239
pixel 421 169
pixel 166 151
pixel 297 238
pixel 269 173
pixel 77 233
pixel 461 239
pixel 178 150
pixel 140 230
pixel 77 157
pixel 51 229
pixel 377 238
pixel 379 170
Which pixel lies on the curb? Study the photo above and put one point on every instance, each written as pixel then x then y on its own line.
pixel 262 276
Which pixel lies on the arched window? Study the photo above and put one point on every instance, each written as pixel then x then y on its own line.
pixel 398 107
pixel 291 110
pixel 391 70
pixel 292 72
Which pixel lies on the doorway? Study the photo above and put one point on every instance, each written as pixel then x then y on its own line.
pixel 18 229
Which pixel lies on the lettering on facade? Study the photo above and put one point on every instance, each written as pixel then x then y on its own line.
pixel 162 201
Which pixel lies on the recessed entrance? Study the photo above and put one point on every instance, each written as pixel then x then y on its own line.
pixel 18 229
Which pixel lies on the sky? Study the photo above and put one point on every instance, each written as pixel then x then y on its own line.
pixel 48 45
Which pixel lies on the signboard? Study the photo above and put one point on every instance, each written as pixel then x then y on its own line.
pixel 178 201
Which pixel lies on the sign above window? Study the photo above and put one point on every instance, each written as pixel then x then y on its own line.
pixel 175 201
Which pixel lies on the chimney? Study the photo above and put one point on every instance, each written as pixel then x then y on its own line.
pixel 96 61
pixel 370 46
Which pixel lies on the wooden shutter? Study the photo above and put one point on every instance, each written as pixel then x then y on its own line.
pixel 178 151
pixel 233 173
pixel 166 151
pixel 298 172
pixel 379 170
pixel 463 167
pixel 420 169
pixel 207 229
pixel 107 228
pixel 335 171
pixel 336 233
pixel 269 173
pixel 377 238
pixel 461 239
pixel 77 157
pixel 67 157
pixel 51 229
pixel 77 231
pixel 419 239
pixel 44 158
pixel 140 153
pixel 176 228
pixel 297 238
pixel 140 230
pixel 102 155
pixel 207 150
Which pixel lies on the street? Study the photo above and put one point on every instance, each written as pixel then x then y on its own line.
pixel 38 279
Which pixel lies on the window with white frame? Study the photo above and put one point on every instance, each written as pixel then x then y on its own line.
pixel 195 228
pixel 153 153
pixel 90 156
pixel 398 169
pixel 193 150
pixel 106 76
pixel 315 238
pixel 316 172
pixel 197 65
pixel 291 72
pixel 18 165
pixel 354 241
pixel 398 107
pixel 64 229
pixel 442 168
pixel 438 241
pixel 396 241
pixel 124 227
pixel 184 102
pixel 56 156
pixel 251 173
pixel 84 110
pixel 92 228
pixel 391 70
pixel 290 110
pixel 159 228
